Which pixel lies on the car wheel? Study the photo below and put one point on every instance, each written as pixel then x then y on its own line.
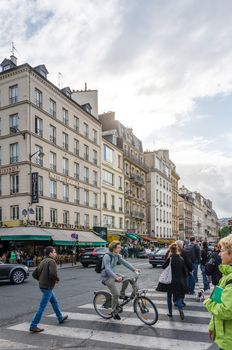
pixel 18 276
pixel 85 265
pixel 154 265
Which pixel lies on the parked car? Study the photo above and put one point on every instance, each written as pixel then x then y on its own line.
pixel 142 253
pixel 158 258
pixel 15 273
pixel 90 257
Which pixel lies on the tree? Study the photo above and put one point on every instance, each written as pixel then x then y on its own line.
pixel 224 231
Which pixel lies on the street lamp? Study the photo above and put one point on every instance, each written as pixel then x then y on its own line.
pixel 14 130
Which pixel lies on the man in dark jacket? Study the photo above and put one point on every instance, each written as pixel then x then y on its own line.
pixel 192 250
pixel 46 274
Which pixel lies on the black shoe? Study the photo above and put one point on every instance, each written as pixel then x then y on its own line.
pixel 169 315
pixel 181 314
pixel 116 317
pixel 63 319
pixel 36 330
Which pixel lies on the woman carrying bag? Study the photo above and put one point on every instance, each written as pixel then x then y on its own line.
pixel 173 280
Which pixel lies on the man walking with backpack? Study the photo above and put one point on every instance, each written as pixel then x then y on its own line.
pixel 110 277
pixel 192 250
pixel 46 274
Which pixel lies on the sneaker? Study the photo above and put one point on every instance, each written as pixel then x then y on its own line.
pixel 124 297
pixel 116 317
pixel 63 319
pixel 181 314
pixel 36 329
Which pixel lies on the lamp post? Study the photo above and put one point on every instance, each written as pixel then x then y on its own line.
pixel 14 130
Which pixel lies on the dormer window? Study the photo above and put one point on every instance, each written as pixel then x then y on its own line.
pixel 6 67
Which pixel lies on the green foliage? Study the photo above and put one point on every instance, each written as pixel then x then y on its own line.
pixel 224 231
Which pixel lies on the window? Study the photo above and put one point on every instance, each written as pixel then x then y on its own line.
pixel 120 204
pixel 65 192
pixel 38 126
pixel 157 214
pixel 52 107
pixel 95 220
pixel 14 121
pixel 76 195
pixel 53 134
pixel 95 200
pixel 94 178
pixel 14 153
pixel 76 170
pixel 86 219
pixel 65 141
pixel 76 147
pixel 0 124
pixel 104 200
pixel 65 217
pixel 86 130
pixel 38 98
pixel 108 154
pixel 108 221
pixel 39 213
pixel 119 161
pixel 38 151
pixel 76 218
pixel 0 213
pixel 53 189
pixel 0 186
pixel 76 123
pixel 40 185
pixel 14 184
pixel 95 136
pixel 14 212
pixel 65 166
pixel 13 94
pixel 86 152
pixel 86 174
pixel 120 183
pixel 112 202
pixel 108 177
pixel 65 116
pixel 53 215
pixel 94 157
pixel 121 223
pixel 53 161
pixel 86 197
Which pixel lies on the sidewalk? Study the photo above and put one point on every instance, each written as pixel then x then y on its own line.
pixel 64 266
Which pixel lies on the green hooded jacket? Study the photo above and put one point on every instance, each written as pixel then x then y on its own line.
pixel 221 321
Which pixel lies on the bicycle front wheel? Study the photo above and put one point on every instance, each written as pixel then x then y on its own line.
pixel 146 310
pixel 102 304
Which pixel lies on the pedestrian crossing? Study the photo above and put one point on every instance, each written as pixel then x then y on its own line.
pixel 84 324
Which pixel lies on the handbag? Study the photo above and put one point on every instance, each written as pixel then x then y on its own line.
pixel 166 275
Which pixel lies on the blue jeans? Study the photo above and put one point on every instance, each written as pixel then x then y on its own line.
pixel 190 283
pixel 205 281
pixel 178 302
pixel 195 271
pixel 47 296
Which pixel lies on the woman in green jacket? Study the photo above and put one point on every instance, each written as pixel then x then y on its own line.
pixel 220 327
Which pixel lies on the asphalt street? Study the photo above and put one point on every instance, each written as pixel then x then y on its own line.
pixel 84 329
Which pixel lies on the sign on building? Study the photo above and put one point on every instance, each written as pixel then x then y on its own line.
pixel 34 188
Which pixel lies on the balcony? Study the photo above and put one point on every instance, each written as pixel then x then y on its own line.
pixel 137 179
pixel 135 160
pixel 53 139
pixel 13 100
pixel 138 215
pixel 14 159
pixel 65 146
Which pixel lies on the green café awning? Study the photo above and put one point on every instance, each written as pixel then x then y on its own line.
pixel 24 234
pixel 133 236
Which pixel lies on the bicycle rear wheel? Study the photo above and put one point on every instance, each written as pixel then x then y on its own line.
pixel 146 310
pixel 102 304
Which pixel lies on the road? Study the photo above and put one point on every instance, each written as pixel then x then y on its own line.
pixel 84 329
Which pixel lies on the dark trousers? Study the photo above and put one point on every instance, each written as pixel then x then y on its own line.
pixel 178 302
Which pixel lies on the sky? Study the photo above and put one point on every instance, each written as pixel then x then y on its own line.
pixel 164 67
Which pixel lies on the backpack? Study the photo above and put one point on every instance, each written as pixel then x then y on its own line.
pixel 99 268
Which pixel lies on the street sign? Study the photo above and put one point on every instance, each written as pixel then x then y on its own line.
pixel 31 211
pixel 74 236
pixel 34 188
pixel 24 212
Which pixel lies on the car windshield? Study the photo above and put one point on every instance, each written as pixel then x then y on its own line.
pixel 101 249
pixel 162 252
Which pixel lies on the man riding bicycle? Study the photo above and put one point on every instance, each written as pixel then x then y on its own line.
pixel 110 277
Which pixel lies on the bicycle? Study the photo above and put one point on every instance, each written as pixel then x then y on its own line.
pixel 143 306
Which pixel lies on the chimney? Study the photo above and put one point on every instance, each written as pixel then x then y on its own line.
pixel 13 59
pixel 85 86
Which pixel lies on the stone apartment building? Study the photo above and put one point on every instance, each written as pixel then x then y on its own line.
pixel 112 187
pixel 185 213
pixel 49 152
pixel 159 193
pixel 135 171
pixel 175 194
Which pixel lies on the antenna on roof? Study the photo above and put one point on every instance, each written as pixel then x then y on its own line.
pixel 60 80
pixel 13 57
pixel 13 49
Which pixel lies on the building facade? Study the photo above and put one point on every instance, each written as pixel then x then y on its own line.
pixel 135 171
pixel 159 194
pixel 50 152
pixel 112 188
pixel 185 213
pixel 175 194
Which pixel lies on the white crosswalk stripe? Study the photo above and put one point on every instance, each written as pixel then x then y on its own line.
pixel 167 334
pixel 7 344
